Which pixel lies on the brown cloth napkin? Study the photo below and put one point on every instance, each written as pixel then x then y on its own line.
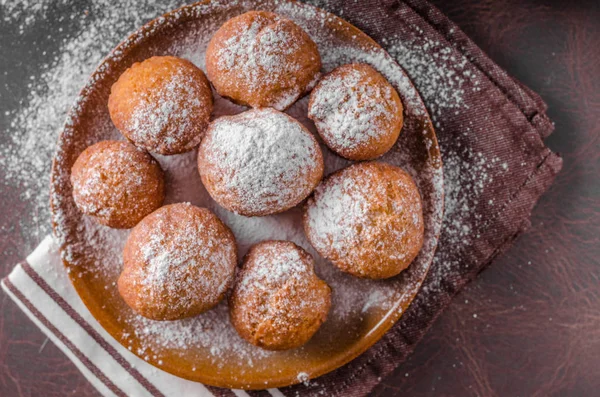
pixel 490 128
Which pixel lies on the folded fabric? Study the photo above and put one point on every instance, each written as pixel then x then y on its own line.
pixel 490 128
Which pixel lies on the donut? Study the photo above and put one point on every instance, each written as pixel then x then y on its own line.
pixel 117 184
pixel 259 162
pixel 178 262
pixel 162 104
pixel 356 111
pixel 260 59
pixel 278 302
pixel 367 219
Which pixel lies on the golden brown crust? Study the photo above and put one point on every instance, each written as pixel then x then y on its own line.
pixel 367 219
pixel 178 262
pixel 162 104
pixel 117 184
pixel 357 112
pixel 278 302
pixel 260 59
pixel 259 162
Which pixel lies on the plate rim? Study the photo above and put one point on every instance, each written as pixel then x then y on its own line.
pixel 113 57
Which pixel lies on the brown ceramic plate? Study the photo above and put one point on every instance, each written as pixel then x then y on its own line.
pixel 206 348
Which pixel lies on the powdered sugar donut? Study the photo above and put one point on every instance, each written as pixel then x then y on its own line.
pixel 117 184
pixel 259 162
pixel 260 59
pixel 367 219
pixel 356 111
pixel 178 262
pixel 278 302
pixel 162 104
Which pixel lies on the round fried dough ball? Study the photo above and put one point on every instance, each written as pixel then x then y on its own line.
pixel 178 262
pixel 367 219
pixel 259 162
pixel 356 111
pixel 162 104
pixel 278 302
pixel 117 184
pixel 261 59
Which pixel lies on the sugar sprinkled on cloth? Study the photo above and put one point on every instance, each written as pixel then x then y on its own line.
pixel 425 60
pixel 26 155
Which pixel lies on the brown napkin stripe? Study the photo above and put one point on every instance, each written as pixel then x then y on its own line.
pixel 90 330
pixel 58 334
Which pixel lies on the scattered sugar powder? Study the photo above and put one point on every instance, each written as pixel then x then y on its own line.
pixel 23 14
pixel 29 140
pixel 26 157
pixel 466 176
pixel 214 333
pixel 437 71
pixel 304 377
pixel 441 75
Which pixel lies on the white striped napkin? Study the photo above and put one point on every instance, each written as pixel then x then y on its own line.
pixel 42 289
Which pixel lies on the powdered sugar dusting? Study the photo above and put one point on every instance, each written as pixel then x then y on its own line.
pixel 265 52
pixel 107 165
pixel 273 266
pixel 440 75
pixel 263 161
pixel 353 299
pixel 259 55
pixel 350 109
pixel 186 259
pixel 211 334
pixel 165 118
pixel 26 161
pixel 426 61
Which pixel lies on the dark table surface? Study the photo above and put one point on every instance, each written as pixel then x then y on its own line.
pixel 529 325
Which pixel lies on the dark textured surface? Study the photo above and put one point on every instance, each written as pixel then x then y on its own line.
pixel 529 324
